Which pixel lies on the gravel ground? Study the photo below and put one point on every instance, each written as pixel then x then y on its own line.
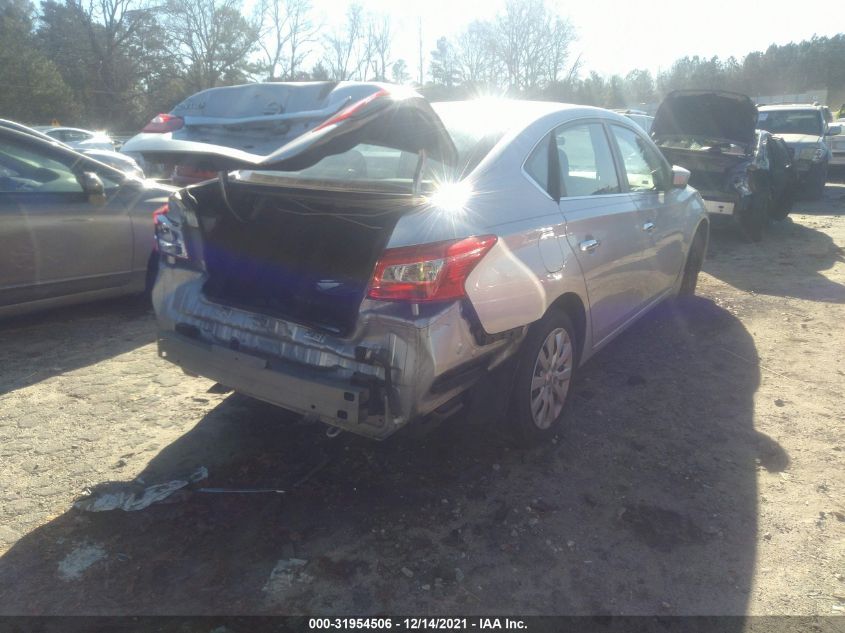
pixel 702 472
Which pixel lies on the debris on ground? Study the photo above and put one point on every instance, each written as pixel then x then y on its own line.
pixel 286 572
pixel 132 496
pixel 80 559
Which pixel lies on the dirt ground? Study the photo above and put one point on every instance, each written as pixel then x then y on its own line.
pixel 702 472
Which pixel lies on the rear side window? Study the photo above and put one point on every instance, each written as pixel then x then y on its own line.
pixel 644 168
pixel 585 159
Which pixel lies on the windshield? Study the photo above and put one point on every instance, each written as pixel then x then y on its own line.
pixel 791 122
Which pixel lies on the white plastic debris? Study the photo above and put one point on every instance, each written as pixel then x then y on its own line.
pixel 79 560
pixel 131 499
pixel 286 572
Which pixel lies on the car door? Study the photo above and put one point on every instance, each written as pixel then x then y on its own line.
pixel 660 211
pixel 603 226
pixel 54 238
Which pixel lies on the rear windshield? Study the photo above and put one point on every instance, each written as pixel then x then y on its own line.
pixel 791 122
pixel 471 131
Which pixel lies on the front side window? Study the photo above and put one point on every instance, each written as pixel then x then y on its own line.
pixel 585 159
pixel 643 167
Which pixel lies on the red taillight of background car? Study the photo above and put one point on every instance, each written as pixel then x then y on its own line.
pixel 162 123
pixel 429 272
pixel 350 110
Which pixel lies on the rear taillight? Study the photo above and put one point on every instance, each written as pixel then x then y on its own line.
pixel 164 123
pixel 350 110
pixel 168 234
pixel 430 272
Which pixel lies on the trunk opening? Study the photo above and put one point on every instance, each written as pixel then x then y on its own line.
pixel 297 254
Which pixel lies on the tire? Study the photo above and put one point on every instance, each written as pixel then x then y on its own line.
pixel 816 180
pixel 782 207
pixel 540 398
pixel 754 219
pixel 695 259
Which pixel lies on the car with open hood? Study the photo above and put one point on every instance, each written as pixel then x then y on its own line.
pixel 740 172
pixel 807 132
pixel 366 258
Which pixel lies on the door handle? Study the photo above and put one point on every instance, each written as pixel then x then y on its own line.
pixel 589 245
pixel 648 227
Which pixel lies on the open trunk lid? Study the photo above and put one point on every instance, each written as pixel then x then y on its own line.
pixel 292 126
pixel 706 114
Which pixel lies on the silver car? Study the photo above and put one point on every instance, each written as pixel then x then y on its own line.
pixel 390 255
pixel 72 229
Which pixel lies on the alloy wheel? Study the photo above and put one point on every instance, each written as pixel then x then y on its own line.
pixel 550 380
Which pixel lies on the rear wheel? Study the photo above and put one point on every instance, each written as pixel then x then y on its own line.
pixel 782 207
pixel 544 374
pixel 754 219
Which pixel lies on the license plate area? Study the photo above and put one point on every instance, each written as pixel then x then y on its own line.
pixel 719 207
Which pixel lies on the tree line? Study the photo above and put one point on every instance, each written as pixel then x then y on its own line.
pixel 115 63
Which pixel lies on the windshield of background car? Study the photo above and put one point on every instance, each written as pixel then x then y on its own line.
pixel 791 122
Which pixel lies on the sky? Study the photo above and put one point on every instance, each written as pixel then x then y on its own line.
pixel 618 36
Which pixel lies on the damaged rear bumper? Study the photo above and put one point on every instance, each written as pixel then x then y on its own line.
pixel 395 367
pixel 301 391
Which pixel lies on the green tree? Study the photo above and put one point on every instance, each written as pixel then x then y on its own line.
pixel 33 89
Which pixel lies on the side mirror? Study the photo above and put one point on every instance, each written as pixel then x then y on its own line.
pixel 833 130
pixel 680 177
pixel 93 185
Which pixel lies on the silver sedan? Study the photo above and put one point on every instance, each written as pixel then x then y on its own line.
pixel 383 262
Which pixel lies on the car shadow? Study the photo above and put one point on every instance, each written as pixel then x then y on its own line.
pixel 789 249
pixel 35 347
pixel 645 504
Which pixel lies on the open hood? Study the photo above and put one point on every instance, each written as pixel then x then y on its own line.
pixel 705 113
pixel 291 126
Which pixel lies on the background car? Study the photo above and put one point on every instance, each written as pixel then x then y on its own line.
pixel 380 259
pixel 77 138
pixel 124 163
pixel 72 229
pixel 742 173
pixel 836 142
pixel 641 118
pixel 806 132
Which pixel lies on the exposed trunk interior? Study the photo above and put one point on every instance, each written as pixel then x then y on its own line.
pixel 297 254
pixel 710 170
